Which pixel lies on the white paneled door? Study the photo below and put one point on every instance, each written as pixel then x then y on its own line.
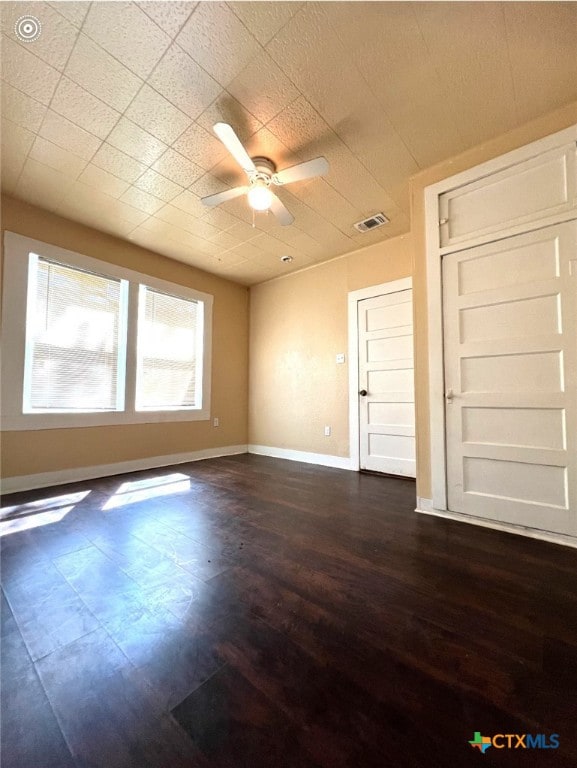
pixel 510 324
pixel 386 384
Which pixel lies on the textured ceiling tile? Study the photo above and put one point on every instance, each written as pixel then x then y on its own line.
pixel 83 109
pixel 332 206
pixel 183 82
pixel 57 158
pixel 219 218
pixel 100 74
pixel 542 47
pixel 264 19
pixel 300 125
pixel 263 88
pixel 114 225
pixel 158 116
pixel 169 16
pixel 266 144
pixel 73 11
pixel 243 231
pixel 158 185
pixel 480 86
pixel 175 216
pixel 200 147
pixel 41 185
pixel 125 31
pixel 177 168
pixel 103 181
pixel 429 130
pixel 65 134
pixel 27 72
pixel 203 229
pixel 370 135
pixel 302 129
pixel 12 166
pixel 21 109
pixel 208 185
pixel 16 139
pixel 136 142
pixel 57 35
pixel 227 257
pixel 226 109
pixel 387 47
pixel 129 213
pixel 246 250
pixel 189 203
pixel 268 244
pixel 218 41
pixel 141 200
pixel 84 200
pixel 224 242
pixel 111 159
pixel 319 65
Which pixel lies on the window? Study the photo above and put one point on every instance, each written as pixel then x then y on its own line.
pixel 74 356
pixel 169 336
pixel 89 343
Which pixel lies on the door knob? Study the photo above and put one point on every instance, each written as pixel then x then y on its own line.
pixel 449 395
pixel 363 393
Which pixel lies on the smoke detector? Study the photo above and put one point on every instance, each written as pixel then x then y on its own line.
pixel 371 223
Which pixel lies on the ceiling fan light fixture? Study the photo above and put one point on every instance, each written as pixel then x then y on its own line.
pixel 259 196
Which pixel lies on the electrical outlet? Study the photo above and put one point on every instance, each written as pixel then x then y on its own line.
pixel 215 422
pixel 341 357
pixel 327 431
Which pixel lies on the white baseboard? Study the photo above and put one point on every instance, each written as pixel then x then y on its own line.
pixel 76 474
pixel 323 459
pixel 425 507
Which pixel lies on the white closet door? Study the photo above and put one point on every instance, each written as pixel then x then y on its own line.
pixel 530 191
pixel 386 377
pixel 510 324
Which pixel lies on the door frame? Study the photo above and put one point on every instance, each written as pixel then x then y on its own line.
pixel 354 297
pixel 434 254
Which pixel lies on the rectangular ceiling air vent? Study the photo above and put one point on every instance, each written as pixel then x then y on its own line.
pixel 371 223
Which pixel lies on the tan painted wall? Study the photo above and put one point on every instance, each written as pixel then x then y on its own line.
pixel 25 453
pixel 298 326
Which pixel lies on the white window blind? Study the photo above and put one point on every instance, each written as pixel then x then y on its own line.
pixel 169 351
pixel 73 360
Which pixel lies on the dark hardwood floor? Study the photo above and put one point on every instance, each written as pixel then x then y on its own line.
pixel 256 613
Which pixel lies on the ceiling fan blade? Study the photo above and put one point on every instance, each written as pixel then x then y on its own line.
pixel 231 141
pixel 282 213
pixel 317 167
pixel 222 197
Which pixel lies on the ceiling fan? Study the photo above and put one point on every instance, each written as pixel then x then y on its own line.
pixel 261 172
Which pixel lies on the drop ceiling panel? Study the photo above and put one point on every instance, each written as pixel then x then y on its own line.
pixel 170 18
pixel 83 109
pixel 27 72
pixel 126 32
pixel 99 73
pixel 183 82
pixel 22 109
pixel 107 117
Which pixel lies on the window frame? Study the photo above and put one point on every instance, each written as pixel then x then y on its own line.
pixel 17 249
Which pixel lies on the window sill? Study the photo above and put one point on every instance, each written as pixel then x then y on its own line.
pixel 35 421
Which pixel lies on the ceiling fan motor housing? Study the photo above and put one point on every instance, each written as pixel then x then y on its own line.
pixel 265 169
